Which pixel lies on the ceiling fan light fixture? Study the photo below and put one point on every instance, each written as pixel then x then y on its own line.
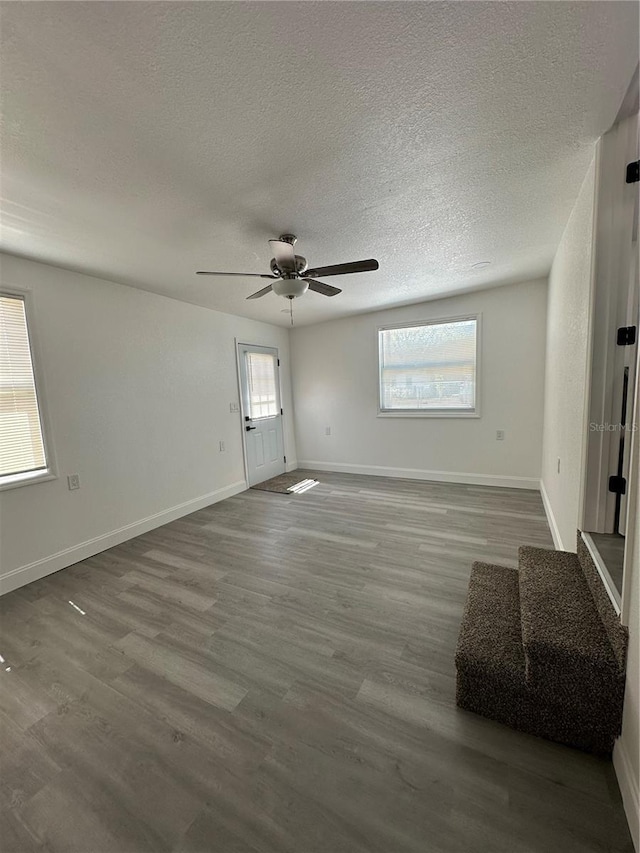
pixel 290 288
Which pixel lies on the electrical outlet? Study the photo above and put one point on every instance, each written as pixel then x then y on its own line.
pixel 234 407
pixel 558 464
pixel 222 447
pixel 73 481
pixel 499 435
pixel 327 430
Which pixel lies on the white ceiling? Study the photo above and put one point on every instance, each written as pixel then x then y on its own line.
pixel 144 141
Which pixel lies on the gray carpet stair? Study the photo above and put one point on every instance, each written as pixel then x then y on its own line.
pixel 490 650
pixel 540 652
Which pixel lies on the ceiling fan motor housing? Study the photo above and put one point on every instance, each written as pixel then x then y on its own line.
pixel 301 266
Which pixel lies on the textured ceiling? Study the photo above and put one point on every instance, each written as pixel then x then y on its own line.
pixel 144 141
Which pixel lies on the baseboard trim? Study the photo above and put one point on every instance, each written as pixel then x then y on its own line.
pixel 553 524
pixel 291 466
pixel 418 474
pixel 630 790
pixel 46 566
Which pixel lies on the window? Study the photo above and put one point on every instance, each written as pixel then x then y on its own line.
pixel 429 368
pixel 22 449
pixel 262 382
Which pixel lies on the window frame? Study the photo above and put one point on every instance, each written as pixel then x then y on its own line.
pixel 433 413
pixel 28 478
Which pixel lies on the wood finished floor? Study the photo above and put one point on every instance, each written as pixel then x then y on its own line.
pixel 275 674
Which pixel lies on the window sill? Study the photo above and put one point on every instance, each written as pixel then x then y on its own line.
pixel 438 413
pixel 18 480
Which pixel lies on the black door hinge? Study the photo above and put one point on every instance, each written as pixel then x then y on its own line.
pixel 282 411
pixel 618 485
pixel 633 172
pixel 278 362
pixel 626 336
pixel 285 458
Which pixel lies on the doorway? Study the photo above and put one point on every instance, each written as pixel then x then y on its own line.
pixel 612 418
pixel 259 377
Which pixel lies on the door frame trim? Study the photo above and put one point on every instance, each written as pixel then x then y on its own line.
pixel 236 345
pixel 608 310
pixel 238 342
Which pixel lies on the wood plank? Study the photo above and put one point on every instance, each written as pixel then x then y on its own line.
pixel 275 675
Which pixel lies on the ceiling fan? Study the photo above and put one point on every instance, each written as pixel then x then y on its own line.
pixel 289 273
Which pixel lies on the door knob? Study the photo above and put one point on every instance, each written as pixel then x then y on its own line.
pixel 248 428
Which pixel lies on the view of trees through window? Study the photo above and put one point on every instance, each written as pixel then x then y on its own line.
pixel 429 367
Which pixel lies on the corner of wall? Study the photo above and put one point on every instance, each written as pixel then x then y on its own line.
pixel 566 410
pixel 551 519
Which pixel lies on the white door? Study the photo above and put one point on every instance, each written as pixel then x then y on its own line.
pixel 629 417
pixel 261 412
pixel 615 307
pixel 623 232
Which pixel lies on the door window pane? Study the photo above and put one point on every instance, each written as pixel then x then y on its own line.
pixel 261 380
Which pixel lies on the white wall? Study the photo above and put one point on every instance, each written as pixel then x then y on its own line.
pixel 567 358
pixel 137 389
pixel 626 754
pixel 335 375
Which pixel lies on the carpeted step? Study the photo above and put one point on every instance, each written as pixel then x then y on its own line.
pixel 489 658
pixel 569 658
pixel 563 636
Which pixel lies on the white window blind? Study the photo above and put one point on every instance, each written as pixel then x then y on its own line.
pixel 430 367
pixel 261 378
pixel 21 442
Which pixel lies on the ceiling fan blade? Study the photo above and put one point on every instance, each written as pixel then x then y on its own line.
pixel 243 274
pixel 343 269
pixel 321 287
pixel 260 293
pixel 284 255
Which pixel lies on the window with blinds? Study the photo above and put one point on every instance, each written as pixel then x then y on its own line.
pixel 262 381
pixel 429 368
pixel 21 440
